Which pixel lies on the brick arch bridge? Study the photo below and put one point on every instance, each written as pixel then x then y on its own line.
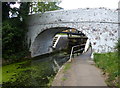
pixel 100 25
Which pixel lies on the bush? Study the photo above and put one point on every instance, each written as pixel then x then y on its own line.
pixel 13 42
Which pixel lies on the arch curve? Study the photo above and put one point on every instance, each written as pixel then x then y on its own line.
pixel 43 42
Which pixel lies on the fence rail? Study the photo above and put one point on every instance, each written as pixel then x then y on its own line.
pixel 78 49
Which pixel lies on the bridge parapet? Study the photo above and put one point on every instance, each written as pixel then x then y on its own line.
pixel 93 15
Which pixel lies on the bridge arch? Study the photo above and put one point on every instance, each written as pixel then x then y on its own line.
pixel 43 41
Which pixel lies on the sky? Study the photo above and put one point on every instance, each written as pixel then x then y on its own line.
pixel 15 5
pixel 74 4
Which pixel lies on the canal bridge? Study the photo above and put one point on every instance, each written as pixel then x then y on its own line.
pixel 100 25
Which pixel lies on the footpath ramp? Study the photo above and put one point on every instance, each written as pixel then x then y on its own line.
pixel 81 72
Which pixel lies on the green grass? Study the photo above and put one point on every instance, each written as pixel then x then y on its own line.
pixel 61 34
pixel 67 67
pixel 63 79
pixel 108 62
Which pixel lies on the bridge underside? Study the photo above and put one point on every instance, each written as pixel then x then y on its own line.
pixel 43 42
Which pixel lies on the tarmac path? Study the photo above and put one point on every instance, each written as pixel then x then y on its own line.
pixel 82 72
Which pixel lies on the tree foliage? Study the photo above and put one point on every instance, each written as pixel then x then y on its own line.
pixel 14 29
pixel 45 6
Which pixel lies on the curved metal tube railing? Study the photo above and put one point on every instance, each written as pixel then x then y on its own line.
pixel 72 50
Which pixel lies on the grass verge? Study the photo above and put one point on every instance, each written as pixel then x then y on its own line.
pixel 108 62
pixel 67 67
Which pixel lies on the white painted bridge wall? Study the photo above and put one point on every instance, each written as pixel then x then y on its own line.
pixel 100 25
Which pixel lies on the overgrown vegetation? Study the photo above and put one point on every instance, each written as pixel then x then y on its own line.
pixel 13 32
pixel 13 40
pixel 109 63
pixel 26 73
pixel 14 29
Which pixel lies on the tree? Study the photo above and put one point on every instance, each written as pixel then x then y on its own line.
pixel 14 29
pixel 45 6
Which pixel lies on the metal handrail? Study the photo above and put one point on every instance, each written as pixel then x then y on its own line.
pixel 72 51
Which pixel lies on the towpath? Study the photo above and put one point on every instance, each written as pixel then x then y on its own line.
pixel 81 72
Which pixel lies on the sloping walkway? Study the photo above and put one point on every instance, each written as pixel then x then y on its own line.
pixel 82 72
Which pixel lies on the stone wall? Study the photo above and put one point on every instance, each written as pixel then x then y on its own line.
pixel 100 25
